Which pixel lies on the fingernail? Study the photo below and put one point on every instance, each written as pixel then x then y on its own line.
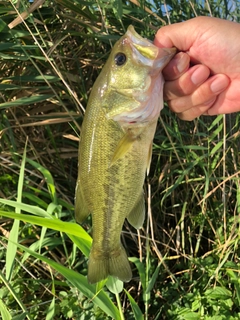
pixel 219 84
pixel 198 76
pixel 182 61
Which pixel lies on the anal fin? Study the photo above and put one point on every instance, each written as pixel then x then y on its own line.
pixel 137 215
pixel 149 158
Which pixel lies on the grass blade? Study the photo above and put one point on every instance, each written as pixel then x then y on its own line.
pixel 84 242
pixel 4 311
pixel 13 236
pixel 14 294
pixel 100 299
pixel 136 310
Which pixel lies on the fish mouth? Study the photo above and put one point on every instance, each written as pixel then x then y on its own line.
pixel 147 53
pixel 146 100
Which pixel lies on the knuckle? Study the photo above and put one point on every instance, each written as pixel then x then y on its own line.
pixel 202 95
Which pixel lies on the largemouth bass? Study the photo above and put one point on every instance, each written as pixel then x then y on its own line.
pixel 116 147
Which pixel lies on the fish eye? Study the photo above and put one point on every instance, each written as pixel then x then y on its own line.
pixel 120 58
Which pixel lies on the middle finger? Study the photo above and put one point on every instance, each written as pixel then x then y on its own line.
pixel 187 83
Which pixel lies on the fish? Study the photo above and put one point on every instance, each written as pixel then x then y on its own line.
pixel 116 148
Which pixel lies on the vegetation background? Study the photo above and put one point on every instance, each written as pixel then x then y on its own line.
pixel 186 257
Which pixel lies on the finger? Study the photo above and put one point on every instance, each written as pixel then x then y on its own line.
pixel 202 95
pixel 228 101
pixel 197 111
pixel 187 83
pixel 177 66
pixel 180 35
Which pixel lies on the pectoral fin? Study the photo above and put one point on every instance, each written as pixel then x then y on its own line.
pixel 81 209
pixel 137 215
pixel 123 147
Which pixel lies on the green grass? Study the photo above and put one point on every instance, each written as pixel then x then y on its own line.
pixel 186 257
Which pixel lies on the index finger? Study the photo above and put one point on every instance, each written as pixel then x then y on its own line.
pixel 177 66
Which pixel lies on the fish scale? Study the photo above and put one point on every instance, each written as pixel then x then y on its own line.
pixel 115 149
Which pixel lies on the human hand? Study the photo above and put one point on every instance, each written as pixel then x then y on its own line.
pixel 204 77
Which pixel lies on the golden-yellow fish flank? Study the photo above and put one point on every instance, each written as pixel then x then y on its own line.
pixel 115 148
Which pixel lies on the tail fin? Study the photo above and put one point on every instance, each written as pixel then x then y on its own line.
pixel 112 263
